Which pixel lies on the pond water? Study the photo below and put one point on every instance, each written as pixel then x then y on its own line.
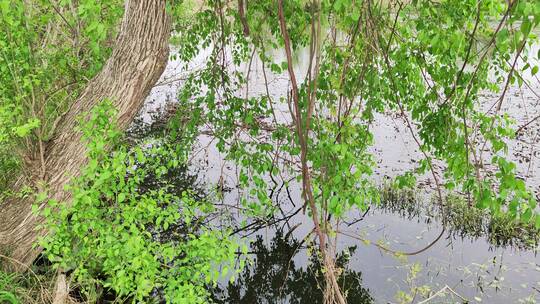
pixel 463 264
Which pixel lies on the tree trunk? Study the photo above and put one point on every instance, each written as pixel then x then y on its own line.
pixel 137 61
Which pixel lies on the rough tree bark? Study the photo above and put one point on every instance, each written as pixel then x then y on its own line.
pixel 137 61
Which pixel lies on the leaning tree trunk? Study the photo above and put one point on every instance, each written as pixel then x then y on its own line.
pixel 137 61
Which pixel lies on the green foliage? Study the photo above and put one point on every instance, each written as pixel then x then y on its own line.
pixel 6 285
pixel 135 241
pixel 435 46
pixel 48 52
pixel 426 62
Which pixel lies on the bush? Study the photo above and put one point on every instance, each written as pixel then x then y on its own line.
pixel 134 241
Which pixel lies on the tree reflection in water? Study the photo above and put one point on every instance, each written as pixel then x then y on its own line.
pixel 275 278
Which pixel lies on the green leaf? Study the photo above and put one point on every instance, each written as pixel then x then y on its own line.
pixel 7 297
pixel 526 216
pixel 534 70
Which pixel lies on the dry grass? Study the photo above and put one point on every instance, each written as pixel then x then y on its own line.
pixel 25 287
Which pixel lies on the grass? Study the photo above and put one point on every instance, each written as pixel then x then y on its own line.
pixel 461 220
pixel 500 229
pixel 6 283
pixel 35 286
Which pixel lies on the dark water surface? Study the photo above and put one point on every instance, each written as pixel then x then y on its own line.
pixel 469 261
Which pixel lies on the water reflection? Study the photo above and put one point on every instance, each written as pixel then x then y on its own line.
pixel 282 273
pixel 461 220
pixel 275 277
pixel 177 180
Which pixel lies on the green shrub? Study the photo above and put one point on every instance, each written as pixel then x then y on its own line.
pixel 137 242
